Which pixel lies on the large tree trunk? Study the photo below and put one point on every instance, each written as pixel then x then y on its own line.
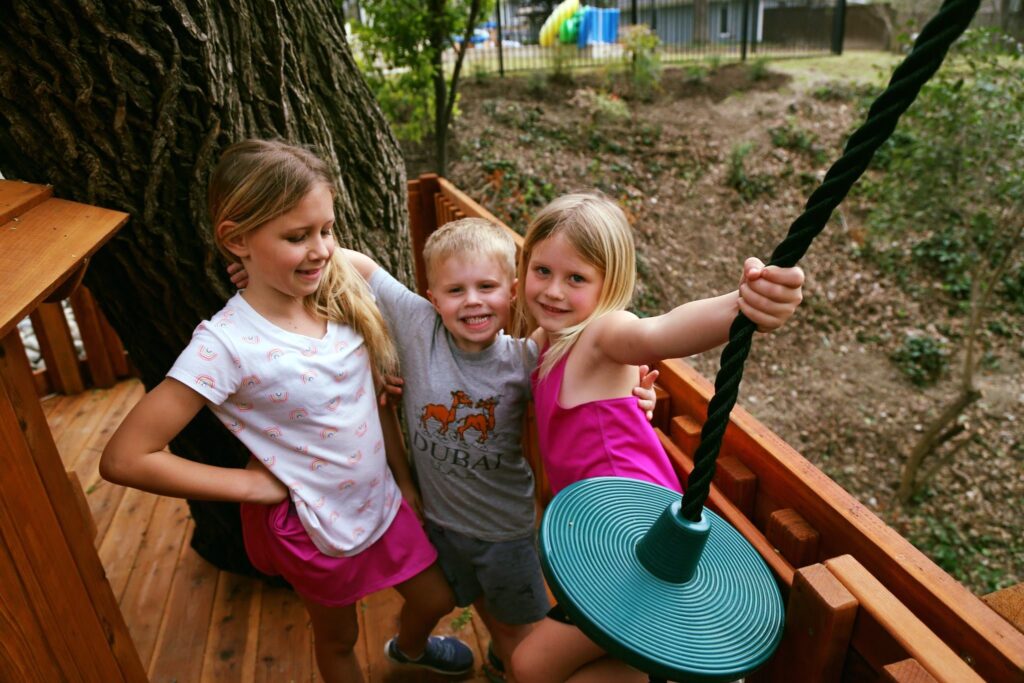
pixel 127 105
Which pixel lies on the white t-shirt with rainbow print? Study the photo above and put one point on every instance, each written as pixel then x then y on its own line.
pixel 306 408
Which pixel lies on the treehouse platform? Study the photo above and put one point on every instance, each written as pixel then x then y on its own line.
pixel 100 583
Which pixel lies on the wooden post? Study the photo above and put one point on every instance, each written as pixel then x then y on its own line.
pixel 57 348
pixel 96 357
pixel 819 622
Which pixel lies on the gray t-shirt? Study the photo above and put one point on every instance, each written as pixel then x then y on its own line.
pixel 464 417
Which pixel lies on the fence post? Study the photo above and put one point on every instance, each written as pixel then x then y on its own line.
pixel 501 54
pixel 744 24
pixel 634 14
pixel 838 27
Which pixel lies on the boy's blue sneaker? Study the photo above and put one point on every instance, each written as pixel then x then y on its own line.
pixel 443 654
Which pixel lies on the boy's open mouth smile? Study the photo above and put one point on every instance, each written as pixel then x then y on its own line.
pixel 477 320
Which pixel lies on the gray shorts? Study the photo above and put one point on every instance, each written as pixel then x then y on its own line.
pixel 505 573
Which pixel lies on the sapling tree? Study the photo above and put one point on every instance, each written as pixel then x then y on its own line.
pixel 952 206
pixel 402 48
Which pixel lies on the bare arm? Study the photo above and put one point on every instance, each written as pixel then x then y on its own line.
pixel 767 296
pixel 360 261
pixel 136 455
pixel 398 458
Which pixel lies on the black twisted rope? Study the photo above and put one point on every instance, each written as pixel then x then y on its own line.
pixel 923 61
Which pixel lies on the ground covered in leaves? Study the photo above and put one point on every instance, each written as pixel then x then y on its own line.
pixel 713 167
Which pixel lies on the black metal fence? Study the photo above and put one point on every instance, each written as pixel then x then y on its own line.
pixel 521 35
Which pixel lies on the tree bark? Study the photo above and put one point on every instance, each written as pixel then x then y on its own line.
pixel 128 104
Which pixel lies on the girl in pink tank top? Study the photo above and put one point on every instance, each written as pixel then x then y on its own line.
pixel 576 278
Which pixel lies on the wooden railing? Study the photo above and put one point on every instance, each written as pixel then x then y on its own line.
pixel 59 618
pixel 863 603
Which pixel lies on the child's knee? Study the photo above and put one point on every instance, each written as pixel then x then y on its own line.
pixel 523 667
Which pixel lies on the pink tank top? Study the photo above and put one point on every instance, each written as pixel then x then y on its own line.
pixel 606 438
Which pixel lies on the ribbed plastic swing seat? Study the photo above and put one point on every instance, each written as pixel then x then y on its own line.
pixel 721 624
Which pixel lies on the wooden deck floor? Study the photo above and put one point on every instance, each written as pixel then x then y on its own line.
pixel 189 620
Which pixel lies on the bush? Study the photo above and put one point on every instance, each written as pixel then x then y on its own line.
pixel 642 61
pixel 922 359
pixel 750 186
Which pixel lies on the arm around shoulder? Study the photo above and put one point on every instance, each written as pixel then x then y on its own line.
pixel 361 262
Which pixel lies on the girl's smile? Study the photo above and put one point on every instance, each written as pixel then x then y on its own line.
pixel 562 288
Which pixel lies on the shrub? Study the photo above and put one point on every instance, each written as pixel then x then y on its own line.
pixel 922 358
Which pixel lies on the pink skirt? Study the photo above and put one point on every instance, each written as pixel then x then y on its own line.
pixel 277 544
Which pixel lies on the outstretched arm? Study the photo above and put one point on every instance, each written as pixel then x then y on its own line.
pixel 767 296
pixel 136 455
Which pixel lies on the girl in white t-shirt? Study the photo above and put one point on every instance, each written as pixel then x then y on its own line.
pixel 290 366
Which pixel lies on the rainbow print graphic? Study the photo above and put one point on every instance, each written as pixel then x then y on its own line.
pixel 237 361
pixel 367 504
pixel 242 404
pixel 338 346
pixel 278 396
pixel 206 353
pixel 308 376
pixel 355 457
pixel 250 381
pixel 327 433
pixel 379 445
pixel 333 404
pixel 360 392
pixel 206 381
pixel 274 353
pixel 235 426
pixel 302 449
pixel 346 485
pixel 319 503
pixel 298 414
pixel 310 351
pixel 251 339
pixel 318 464
pixel 358 531
pixel 340 376
pixel 273 432
pixel 269 460
pixel 361 429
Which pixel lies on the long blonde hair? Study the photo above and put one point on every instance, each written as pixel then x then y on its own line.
pixel 256 181
pixel 597 228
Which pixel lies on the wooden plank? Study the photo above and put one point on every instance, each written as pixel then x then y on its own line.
pixel 40 249
pixel 906 671
pixel 57 348
pixel 101 372
pixel 1008 603
pixel 793 537
pixel 847 526
pixel 82 503
pixel 819 622
pixel 17 197
pixel 662 409
pixel 152 570
pixel 181 641
pixel 115 349
pixel 717 501
pixel 422 222
pixel 737 482
pixel 234 630
pixel 469 207
pixel 909 631
pixel 685 433
pixel 284 652
pixel 25 653
pixel 120 545
pixel 57 543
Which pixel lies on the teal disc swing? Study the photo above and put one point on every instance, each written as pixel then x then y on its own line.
pixel 661 583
